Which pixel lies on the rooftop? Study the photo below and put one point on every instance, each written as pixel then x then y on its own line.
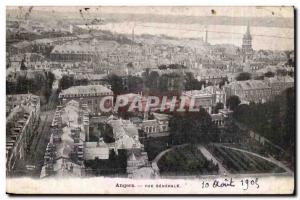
pixel 96 149
pixel 88 89
pixel 21 45
pixel 125 134
pixel 248 85
pixel 197 93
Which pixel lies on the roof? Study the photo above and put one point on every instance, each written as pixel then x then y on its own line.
pixel 85 47
pixel 21 45
pixel 64 167
pixel 127 142
pixel 197 93
pixel 132 157
pixel 279 79
pixel 96 149
pixel 87 89
pixel 123 127
pixel 161 116
pixel 125 134
pixel 248 85
pixel 70 117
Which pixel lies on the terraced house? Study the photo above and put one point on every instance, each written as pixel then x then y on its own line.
pixel 249 91
pixel 23 116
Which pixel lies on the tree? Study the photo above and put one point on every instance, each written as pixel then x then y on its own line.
pixel 243 76
pixel 223 81
pixel 116 84
pixel 162 67
pixel 152 81
pixel 281 72
pixel 23 67
pixel 233 102
pixel 190 127
pixel 191 83
pixel 259 77
pixel 135 84
pixel 274 120
pixel 65 82
pixel 107 133
pixel 218 106
pixel 269 74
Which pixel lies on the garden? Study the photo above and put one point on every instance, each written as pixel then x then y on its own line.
pixel 239 162
pixel 186 160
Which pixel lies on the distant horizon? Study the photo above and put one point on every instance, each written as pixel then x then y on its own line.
pixel 266 23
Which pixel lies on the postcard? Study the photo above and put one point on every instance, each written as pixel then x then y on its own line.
pixel 150 100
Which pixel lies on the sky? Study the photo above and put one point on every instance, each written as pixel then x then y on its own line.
pixel 257 11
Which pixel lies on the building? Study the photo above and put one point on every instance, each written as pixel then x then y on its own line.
pixel 279 83
pixel 95 150
pixel 20 47
pixel 247 50
pixel 125 134
pixel 201 99
pixel 21 122
pixel 222 118
pixel 72 53
pixel 213 76
pixel 219 95
pixel 82 51
pixel 91 95
pixel 91 78
pixel 156 127
pixel 65 151
pixel 136 161
pixel 29 100
pixel 249 91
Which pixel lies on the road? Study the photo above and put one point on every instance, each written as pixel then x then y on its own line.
pixel 209 156
pixel 39 143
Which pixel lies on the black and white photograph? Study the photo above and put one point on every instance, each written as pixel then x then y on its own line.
pixel 148 100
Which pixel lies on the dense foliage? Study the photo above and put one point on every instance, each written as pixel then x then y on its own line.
pixel 274 120
pixel 192 127
pixel 243 76
pixel 37 83
pixel 115 165
pixel 232 102
pixel 187 160
pixel 68 81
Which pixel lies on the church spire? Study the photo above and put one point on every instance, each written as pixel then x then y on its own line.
pixel 248 28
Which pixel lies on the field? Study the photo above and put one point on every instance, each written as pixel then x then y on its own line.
pixel 239 162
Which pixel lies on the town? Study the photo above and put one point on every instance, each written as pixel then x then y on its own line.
pixel 83 101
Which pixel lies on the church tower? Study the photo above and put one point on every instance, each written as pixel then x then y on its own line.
pixel 247 44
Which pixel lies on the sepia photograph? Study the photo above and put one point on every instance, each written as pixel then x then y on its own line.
pixel 143 100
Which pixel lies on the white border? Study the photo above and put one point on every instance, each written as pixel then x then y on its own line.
pixel 3 3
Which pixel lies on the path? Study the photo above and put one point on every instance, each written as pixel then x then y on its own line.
pixel 209 156
pixel 158 157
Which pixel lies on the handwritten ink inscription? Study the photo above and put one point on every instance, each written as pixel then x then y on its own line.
pixel 245 183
